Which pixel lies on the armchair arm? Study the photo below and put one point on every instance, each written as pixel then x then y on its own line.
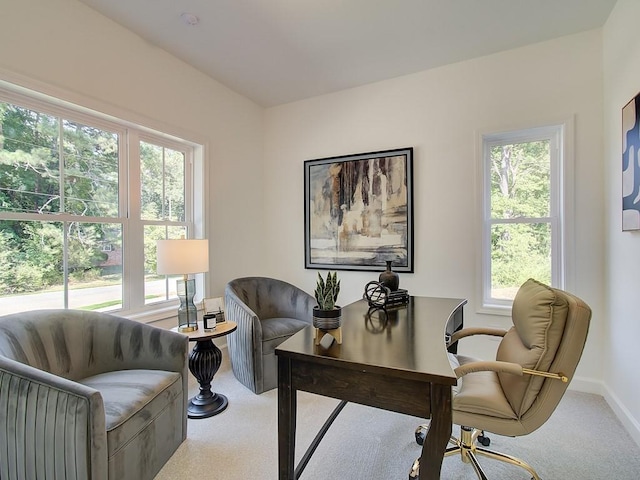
pixel 238 311
pixel 505 367
pixel 470 331
pixel 49 418
pixel 245 344
pixel 488 366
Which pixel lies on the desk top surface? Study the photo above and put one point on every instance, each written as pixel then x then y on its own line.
pixel 406 339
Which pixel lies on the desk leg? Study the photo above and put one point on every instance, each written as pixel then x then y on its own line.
pixel 439 432
pixel 204 362
pixel 286 421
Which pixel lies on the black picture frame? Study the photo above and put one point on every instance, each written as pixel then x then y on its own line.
pixel 630 172
pixel 358 211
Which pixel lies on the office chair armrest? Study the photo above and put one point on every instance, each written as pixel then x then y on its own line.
pixel 505 367
pixel 489 366
pixel 470 331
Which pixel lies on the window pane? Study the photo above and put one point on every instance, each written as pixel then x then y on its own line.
pixel 162 183
pixel 29 164
pixel 95 266
pixel 158 288
pixel 31 276
pixel 151 172
pixel 67 175
pixel 174 186
pixel 90 171
pixel 520 180
pixel 32 255
pixel 518 252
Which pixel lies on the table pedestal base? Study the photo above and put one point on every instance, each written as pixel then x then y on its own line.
pixel 210 407
pixel 204 362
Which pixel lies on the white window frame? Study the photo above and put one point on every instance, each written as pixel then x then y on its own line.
pixel 560 219
pixel 129 134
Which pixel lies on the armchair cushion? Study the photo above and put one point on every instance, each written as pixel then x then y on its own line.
pixel 133 400
pixel 277 330
pixel 479 392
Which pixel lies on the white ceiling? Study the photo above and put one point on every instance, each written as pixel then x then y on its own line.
pixel 279 51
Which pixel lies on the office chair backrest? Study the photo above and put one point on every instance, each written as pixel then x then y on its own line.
pixel 549 333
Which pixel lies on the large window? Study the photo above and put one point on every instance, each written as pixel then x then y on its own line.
pixel 83 200
pixel 522 212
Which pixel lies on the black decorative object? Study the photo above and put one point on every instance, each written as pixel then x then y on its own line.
pixel 378 295
pixel 398 298
pixel 389 278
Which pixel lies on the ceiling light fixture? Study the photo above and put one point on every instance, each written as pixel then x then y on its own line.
pixel 189 19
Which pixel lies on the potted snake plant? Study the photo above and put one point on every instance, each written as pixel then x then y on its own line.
pixel 326 314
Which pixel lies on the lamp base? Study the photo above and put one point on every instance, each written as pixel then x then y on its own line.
pixel 187 329
pixel 187 312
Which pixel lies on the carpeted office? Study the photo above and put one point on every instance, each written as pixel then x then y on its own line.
pixel 250 140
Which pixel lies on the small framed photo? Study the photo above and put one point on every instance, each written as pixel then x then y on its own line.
pixel 214 306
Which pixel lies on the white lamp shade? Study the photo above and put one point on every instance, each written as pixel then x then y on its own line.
pixel 182 257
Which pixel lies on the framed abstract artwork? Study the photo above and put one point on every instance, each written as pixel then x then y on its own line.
pixel 631 165
pixel 359 211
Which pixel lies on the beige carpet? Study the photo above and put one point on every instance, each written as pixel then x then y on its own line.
pixel 583 440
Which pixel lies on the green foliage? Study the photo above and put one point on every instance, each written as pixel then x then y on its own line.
pixel 520 188
pixel 520 176
pixel 5 261
pixel 326 293
pixel 32 252
pixel 162 176
pixel 519 252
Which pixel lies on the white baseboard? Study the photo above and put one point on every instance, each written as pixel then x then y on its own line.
pixel 587 385
pixel 630 424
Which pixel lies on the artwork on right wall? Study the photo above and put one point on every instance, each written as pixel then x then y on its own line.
pixel 631 165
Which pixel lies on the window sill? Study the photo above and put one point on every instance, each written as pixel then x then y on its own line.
pixel 503 310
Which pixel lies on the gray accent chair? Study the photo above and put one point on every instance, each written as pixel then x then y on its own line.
pixel 86 395
pixel 267 311
pixel 516 393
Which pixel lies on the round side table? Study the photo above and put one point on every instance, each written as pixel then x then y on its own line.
pixel 204 362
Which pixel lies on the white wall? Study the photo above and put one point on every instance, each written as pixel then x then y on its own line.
pixel 439 113
pixel 71 51
pixel 621 53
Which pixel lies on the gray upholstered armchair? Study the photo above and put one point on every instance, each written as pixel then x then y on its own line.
pixel 516 393
pixel 85 395
pixel 267 311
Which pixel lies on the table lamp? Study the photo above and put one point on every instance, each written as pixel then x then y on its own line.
pixel 184 257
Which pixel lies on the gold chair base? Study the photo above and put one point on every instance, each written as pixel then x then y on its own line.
pixel 466 445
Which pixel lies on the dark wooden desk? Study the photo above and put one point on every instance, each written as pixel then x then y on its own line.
pixel 400 365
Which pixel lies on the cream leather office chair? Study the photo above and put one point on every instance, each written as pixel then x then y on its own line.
pixel 517 393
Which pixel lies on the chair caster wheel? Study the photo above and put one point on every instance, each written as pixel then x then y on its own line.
pixel 484 441
pixel 414 473
pixel 421 434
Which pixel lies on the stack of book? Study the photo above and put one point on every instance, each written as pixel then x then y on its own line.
pixel 397 298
